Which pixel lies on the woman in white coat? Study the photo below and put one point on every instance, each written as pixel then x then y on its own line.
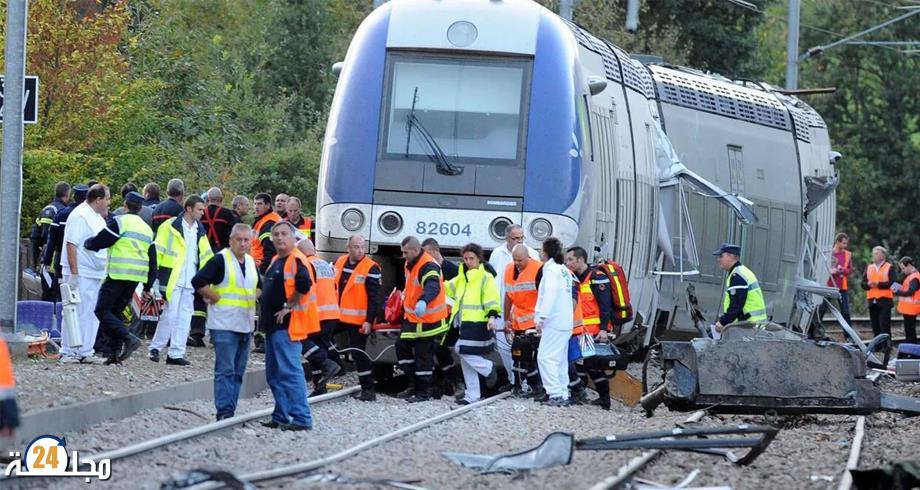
pixel 554 317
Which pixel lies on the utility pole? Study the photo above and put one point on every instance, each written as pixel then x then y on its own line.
pixel 11 168
pixel 792 46
pixel 632 15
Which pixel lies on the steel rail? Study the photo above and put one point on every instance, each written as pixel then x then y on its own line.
pixel 298 468
pixel 846 480
pixel 182 435
pixel 626 472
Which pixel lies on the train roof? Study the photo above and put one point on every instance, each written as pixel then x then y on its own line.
pixel 744 100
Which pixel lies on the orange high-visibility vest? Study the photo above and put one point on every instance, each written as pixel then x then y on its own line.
pixel 590 310
pixel 523 294
pixel 353 297
pixel 304 314
pixel 7 380
pixel 878 274
pixel 436 310
pixel 257 235
pixel 910 305
pixel 327 294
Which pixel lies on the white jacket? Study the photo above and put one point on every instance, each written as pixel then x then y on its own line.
pixel 554 297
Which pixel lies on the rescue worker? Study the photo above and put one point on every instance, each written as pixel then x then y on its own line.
pixel 909 298
pixel 182 250
pixel 877 284
pixel 9 411
pixel 171 207
pixel 449 270
pixel 42 229
pixel 425 311
pixel 145 213
pixel 842 266
pixel 449 372
pixel 743 300
pixel 240 208
pixel 217 220
pixel 358 279
pixel 281 204
pixel 230 284
pixel 287 316
pixel 521 280
pixel 319 348
pixel 151 195
pixel 555 314
pixel 596 313
pixel 499 259
pixel 475 313
pixel 132 260
pixel 53 251
pixel 262 248
pixel 303 224
pixel 84 271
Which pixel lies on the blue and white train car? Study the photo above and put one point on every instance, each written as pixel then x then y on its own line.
pixel 452 119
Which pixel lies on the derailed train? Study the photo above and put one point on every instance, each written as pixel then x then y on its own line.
pixel 453 119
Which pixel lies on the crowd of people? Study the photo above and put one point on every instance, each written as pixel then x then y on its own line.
pixel 216 273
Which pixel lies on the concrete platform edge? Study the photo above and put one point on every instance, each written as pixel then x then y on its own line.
pixel 60 420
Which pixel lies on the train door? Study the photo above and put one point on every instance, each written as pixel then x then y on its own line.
pixel 604 132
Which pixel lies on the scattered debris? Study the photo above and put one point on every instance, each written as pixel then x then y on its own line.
pixel 555 450
pixel 696 439
pixel 186 410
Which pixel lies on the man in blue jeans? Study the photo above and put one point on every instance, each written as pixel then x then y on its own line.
pixel 230 284
pixel 283 368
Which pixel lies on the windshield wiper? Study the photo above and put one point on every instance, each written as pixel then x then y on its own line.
pixel 435 153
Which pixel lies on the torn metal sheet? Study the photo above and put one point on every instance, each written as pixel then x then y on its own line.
pixel 750 374
pixel 555 450
pixel 707 440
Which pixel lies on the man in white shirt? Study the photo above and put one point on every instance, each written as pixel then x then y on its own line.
pixel 554 317
pixel 84 270
pixel 499 260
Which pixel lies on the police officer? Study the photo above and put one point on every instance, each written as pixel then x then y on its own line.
pixel 132 260
pixel 425 310
pixel 53 249
pixel 743 300
pixel 358 278
pixel 596 310
pixel 42 229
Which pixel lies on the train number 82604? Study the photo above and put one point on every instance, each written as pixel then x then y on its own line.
pixel 441 228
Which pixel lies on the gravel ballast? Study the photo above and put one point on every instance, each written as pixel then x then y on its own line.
pixel 809 452
pixel 46 383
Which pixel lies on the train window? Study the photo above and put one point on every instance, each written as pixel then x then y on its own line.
pixel 736 169
pixel 473 109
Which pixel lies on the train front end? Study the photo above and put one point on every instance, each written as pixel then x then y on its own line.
pixel 452 120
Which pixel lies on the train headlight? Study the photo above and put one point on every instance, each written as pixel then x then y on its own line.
pixel 390 223
pixel 541 229
pixel 352 219
pixel 497 228
pixel 461 34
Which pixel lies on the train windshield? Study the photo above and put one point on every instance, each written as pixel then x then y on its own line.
pixel 473 109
